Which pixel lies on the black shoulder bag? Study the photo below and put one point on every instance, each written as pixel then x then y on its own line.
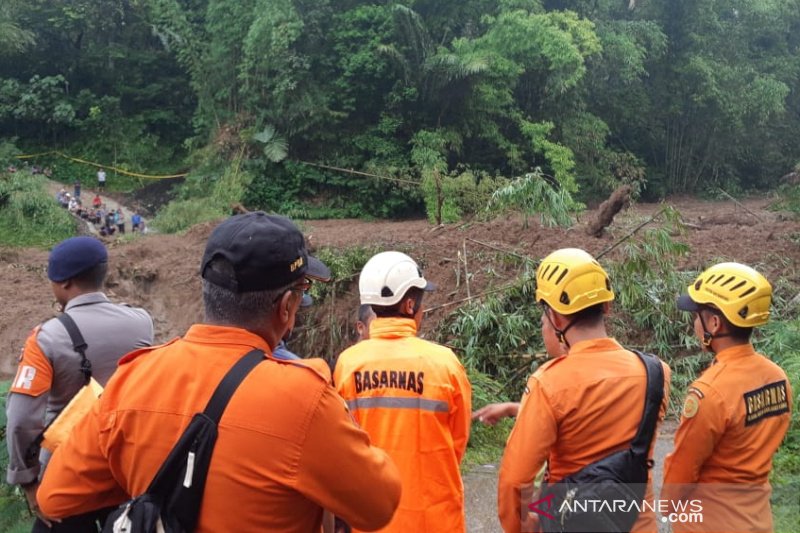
pixel 620 477
pixel 171 503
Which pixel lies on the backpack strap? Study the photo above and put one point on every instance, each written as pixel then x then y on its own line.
pixel 78 344
pixel 652 403
pixel 224 391
pixel 161 485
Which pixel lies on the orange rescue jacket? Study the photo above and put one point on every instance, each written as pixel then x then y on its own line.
pixel 287 447
pixel 414 399
pixel 577 409
pixel 734 418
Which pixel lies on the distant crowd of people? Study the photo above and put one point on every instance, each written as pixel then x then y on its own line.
pixel 107 221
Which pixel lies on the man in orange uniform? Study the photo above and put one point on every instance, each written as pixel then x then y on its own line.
pixel 285 438
pixel 579 407
pixel 736 413
pixel 412 396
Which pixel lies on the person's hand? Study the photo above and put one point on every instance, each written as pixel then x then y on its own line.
pixel 492 413
pixel 30 495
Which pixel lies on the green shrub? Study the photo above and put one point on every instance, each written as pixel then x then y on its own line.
pixel 646 285
pixel 532 194
pixel 499 335
pixel 486 443
pixel 225 192
pixel 14 516
pixel 8 153
pixel 29 215
pixel 300 190
pixel 787 198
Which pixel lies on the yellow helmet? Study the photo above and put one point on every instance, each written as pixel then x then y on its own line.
pixel 738 291
pixel 570 280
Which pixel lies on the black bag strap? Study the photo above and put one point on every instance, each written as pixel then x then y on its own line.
pixel 159 486
pixel 652 403
pixel 78 343
pixel 224 391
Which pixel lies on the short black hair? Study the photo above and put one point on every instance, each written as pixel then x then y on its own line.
pixel 92 278
pixel 364 313
pixel 385 311
pixel 737 333
pixel 591 315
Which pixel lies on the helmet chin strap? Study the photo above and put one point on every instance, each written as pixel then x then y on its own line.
pixel 561 334
pixel 707 335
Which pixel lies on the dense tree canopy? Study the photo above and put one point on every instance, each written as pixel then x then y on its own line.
pixel 685 94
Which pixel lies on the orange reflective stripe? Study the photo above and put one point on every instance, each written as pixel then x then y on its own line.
pixel 34 373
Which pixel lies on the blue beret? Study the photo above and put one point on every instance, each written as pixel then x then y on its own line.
pixel 75 256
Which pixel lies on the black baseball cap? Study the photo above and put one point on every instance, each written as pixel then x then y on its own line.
pixel 685 303
pixel 265 251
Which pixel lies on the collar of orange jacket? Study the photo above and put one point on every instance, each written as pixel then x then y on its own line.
pixel 605 344
pixel 212 334
pixel 389 328
pixel 735 352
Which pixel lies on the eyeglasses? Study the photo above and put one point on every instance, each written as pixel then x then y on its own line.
pixel 300 288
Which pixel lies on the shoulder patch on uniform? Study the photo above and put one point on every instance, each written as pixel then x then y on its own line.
pixel 769 400
pixel 690 406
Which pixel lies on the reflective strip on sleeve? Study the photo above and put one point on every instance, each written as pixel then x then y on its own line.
pixel 420 404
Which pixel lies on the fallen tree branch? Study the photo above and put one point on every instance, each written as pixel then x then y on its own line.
pixel 462 300
pixel 524 257
pixel 737 202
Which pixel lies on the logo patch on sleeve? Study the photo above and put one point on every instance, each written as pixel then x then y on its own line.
pixel 769 400
pixel 690 406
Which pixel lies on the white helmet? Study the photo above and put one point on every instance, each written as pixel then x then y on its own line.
pixel 386 278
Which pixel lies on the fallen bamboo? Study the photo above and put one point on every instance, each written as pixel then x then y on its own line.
pixel 737 202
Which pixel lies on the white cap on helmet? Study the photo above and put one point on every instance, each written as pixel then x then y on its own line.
pixel 386 278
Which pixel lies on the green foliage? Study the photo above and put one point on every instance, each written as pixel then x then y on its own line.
pixel 646 284
pixel 303 191
pixel 13 37
pixel 29 215
pixel 486 443
pixel 499 335
pixel 275 146
pixel 8 153
pixel 534 195
pixel 428 153
pixel 14 515
pixel 225 192
pixel 691 94
pixel 787 198
pixel 345 265
pixel 779 340
pixel 559 158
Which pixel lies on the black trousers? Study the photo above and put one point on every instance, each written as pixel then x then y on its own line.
pixel 91 522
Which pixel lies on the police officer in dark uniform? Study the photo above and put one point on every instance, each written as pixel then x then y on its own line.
pixel 51 371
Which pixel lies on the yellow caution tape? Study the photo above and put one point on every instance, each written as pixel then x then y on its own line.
pixel 98 165
pixel 29 156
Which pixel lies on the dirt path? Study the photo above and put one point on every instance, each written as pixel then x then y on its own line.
pixel 87 195
pixel 480 486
